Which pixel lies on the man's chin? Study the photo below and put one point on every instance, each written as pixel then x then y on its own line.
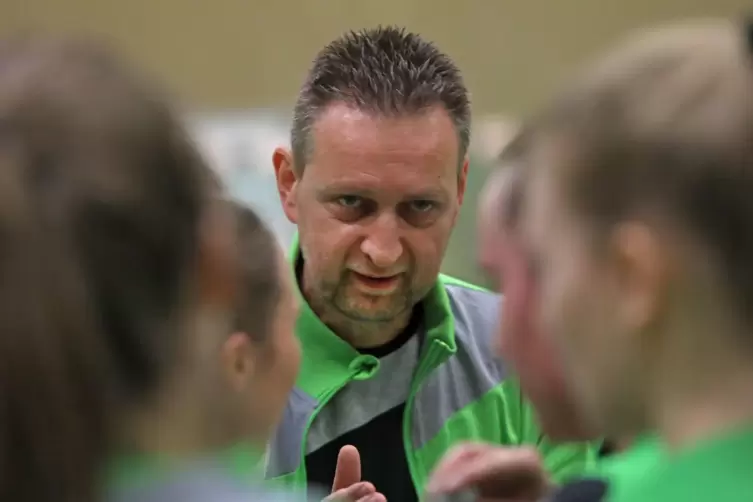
pixel 366 315
pixel 370 312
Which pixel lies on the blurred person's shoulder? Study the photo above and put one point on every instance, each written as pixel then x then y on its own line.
pixel 203 486
pixel 626 468
pixel 714 469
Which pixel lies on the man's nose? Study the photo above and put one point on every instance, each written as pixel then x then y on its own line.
pixel 383 244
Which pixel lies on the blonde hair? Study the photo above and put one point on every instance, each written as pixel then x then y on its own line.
pixel 665 123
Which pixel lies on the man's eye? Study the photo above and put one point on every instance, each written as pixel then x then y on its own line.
pixel 422 206
pixel 350 201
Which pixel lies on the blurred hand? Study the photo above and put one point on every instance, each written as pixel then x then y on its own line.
pixel 494 473
pixel 347 485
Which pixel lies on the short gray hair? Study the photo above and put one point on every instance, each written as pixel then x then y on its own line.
pixel 385 70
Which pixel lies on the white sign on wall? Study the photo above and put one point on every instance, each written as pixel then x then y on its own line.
pixel 239 146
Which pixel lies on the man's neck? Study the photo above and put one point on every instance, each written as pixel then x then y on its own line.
pixel 361 334
pixel 723 402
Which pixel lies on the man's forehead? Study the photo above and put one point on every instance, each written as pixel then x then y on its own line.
pixel 344 130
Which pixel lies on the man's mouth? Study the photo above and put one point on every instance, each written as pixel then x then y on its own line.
pixel 377 284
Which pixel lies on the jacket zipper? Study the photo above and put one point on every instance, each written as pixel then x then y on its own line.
pixel 302 478
pixel 432 355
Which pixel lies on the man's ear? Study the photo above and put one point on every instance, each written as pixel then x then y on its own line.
pixel 287 181
pixel 462 180
pixel 237 360
pixel 643 270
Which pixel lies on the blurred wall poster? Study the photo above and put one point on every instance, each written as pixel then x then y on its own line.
pixel 240 145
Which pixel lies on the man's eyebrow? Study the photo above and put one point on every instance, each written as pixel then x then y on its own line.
pixel 341 188
pixel 428 193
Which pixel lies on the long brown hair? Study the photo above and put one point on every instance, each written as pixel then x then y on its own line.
pixel 100 198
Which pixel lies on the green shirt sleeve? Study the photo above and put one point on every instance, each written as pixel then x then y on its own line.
pixel 627 469
pixel 565 461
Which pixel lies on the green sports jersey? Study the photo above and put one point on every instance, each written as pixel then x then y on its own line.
pixel 716 470
pixel 230 475
pixel 624 470
pixel 241 461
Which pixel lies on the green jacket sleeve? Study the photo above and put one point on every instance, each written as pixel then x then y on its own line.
pixel 565 461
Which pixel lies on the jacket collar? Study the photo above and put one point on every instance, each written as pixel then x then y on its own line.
pixel 326 355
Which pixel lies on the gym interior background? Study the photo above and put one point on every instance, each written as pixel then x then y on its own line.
pixel 236 65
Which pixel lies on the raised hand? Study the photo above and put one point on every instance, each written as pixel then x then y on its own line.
pixel 492 472
pixel 347 485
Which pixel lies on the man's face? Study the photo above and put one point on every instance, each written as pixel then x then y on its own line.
pixel 375 207
pixel 519 340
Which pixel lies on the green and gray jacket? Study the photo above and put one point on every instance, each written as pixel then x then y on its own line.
pixel 459 392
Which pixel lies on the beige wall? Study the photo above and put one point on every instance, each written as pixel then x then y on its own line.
pixel 236 53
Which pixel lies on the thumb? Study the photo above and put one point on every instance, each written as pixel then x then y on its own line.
pixel 348 470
